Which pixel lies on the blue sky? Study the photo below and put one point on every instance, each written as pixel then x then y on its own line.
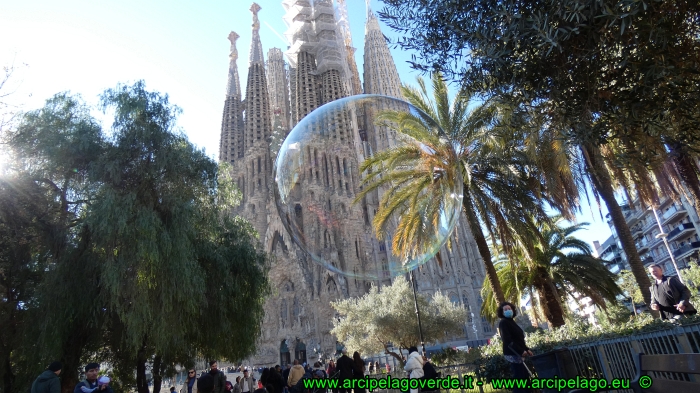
pixel 177 47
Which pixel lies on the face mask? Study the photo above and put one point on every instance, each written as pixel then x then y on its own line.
pixel 508 313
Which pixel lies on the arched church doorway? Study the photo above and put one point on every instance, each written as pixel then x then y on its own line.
pixel 300 352
pixel 285 356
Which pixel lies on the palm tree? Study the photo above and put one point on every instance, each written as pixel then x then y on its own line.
pixel 499 191
pixel 560 266
pixel 604 168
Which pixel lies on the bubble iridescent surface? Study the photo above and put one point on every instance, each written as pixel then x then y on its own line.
pixel 318 180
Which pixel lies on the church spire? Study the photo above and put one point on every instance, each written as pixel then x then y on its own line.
pixel 256 51
pixel 231 144
pixel 380 74
pixel 234 84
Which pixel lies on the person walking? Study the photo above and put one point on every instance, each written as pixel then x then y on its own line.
pixel 358 370
pixel 218 376
pixel 275 381
pixel 237 386
pixel 332 373
pixel 263 380
pixel 205 384
pixel 514 347
pixel 429 372
pixel 285 377
pixel 247 383
pixel 190 385
pixel 90 385
pixel 414 365
pixel 48 381
pixel 669 295
pixel 344 367
pixel 318 367
pixel 295 374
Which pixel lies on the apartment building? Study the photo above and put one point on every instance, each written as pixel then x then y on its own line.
pixel 679 224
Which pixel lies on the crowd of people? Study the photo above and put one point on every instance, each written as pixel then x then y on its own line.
pixel 271 380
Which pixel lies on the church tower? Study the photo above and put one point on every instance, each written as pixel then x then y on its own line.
pixel 278 87
pixel 302 59
pixel 231 143
pixel 344 27
pixel 380 72
pixel 381 77
pixel 257 132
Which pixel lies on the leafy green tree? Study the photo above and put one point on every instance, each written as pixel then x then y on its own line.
pixel 499 190
pixel 384 317
pixel 144 262
pixel 691 277
pixel 20 271
pixel 629 286
pixel 560 266
pixel 52 150
pixel 614 315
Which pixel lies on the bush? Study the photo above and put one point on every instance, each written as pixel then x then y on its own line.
pixel 449 356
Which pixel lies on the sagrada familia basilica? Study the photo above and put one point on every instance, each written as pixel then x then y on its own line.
pixel 282 88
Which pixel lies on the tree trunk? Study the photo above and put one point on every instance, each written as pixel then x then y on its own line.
pixel 8 376
pixel 483 246
pixel 141 382
pixel 687 170
pixel 554 312
pixel 72 353
pixel 157 374
pixel 603 184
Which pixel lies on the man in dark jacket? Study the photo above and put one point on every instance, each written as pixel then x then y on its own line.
pixel 48 382
pixel 344 367
pixel 90 385
pixel 274 379
pixel 219 377
pixel 285 374
pixel 429 372
pixel 205 384
pixel 669 295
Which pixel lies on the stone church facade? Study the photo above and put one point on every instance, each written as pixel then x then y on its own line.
pixel 278 94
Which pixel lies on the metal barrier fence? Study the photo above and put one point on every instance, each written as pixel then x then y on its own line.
pixel 617 358
pixel 608 359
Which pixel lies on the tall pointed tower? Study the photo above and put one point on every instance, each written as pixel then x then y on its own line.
pixel 380 72
pixel 257 132
pixel 231 144
pixel 302 60
pixel 278 87
pixel 344 27
pixel 380 77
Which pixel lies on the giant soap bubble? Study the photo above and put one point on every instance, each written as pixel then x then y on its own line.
pixel 320 185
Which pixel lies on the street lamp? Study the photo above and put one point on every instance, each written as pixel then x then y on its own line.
pixel 415 302
pixel 664 236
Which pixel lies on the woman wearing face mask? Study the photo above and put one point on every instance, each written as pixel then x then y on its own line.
pixel 514 347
